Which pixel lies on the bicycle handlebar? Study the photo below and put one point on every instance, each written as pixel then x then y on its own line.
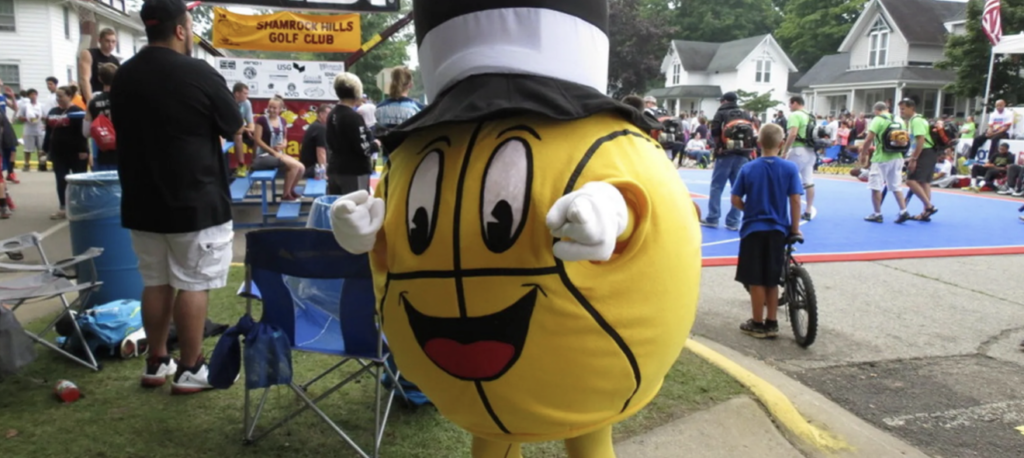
pixel 794 239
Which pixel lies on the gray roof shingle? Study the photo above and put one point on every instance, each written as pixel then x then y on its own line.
pixel 921 21
pixel 699 56
pixel 825 71
pixel 833 70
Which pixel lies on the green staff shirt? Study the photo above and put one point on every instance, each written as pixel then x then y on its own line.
pixel 919 126
pixel 798 120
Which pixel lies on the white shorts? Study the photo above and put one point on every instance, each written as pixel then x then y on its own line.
pixel 193 261
pixel 33 143
pixel 886 174
pixel 804 158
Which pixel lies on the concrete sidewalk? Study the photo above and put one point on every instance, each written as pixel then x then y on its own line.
pixel 761 425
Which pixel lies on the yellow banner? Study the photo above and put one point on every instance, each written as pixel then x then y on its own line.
pixel 286 31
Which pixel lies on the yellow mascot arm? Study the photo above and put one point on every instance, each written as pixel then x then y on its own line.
pixel 637 207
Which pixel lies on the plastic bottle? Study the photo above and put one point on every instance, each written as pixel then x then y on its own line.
pixel 67 391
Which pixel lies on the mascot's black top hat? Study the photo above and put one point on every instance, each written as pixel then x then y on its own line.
pixel 487 59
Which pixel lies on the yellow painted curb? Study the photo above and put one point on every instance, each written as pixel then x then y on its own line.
pixel 237 264
pixel 778 405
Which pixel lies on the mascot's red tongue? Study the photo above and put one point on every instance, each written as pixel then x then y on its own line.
pixel 478 360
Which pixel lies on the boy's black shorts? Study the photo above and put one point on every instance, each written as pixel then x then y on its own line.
pixel 762 255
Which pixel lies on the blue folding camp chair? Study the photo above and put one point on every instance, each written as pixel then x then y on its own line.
pixel 291 271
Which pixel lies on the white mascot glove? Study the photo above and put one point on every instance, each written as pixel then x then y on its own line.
pixel 593 218
pixel 355 220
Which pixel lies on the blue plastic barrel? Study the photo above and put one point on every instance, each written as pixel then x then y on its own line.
pixel 320 214
pixel 94 216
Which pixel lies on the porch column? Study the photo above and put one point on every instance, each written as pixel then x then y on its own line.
pixel 850 104
pixel 938 104
pixel 897 97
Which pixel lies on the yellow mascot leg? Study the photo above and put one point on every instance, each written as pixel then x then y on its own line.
pixel 483 448
pixel 597 444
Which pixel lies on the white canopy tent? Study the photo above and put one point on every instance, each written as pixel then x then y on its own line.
pixel 1009 44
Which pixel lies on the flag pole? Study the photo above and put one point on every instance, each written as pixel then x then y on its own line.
pixel 988 85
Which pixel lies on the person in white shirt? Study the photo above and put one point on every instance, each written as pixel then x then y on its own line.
pixel 944 176
pixel 31 113
pixel 999 124
pixel 368 111
pixel 697 149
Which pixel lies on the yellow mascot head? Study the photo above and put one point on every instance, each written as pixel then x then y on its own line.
pixel 538 258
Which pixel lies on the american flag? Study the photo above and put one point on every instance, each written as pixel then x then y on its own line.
pixel 992 22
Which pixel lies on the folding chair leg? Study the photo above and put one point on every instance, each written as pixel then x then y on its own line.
pixel 68 308
pixel 376 415
pixel 250 422
pixel 321 414
pixel 305 386
pixel 312 404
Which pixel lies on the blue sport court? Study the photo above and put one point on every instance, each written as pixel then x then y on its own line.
pixel 966 225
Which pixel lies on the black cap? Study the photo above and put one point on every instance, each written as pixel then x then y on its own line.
pixel 156 12
pixel 729 97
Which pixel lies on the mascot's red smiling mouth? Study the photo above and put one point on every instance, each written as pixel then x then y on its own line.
pixel 479 348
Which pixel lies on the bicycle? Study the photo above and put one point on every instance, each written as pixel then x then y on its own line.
pixel 798 289
pixel 798 296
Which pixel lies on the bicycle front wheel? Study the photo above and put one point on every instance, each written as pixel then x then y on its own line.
pixel 803 306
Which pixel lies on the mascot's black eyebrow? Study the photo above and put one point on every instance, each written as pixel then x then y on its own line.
pixel 442 139
pixel 522 128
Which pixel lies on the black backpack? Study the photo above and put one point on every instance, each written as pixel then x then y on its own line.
pixel 738 132
pixel 895 137
pixel 942 136
pixel 810 129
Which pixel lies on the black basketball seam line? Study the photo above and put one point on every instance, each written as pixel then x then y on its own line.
pixel 383 299
pixel 472 273
pixel 605 326
pixel 460 293
pixel 487 406
pixel 508 450
pixel 526 197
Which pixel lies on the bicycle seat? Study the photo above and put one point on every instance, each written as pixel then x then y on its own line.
pixel 794 239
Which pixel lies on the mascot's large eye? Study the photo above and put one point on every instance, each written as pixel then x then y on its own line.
pixel 421 215
pixel 505 196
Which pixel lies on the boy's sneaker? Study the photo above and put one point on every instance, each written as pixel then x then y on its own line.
pixel 5 212
pixel 11 177
pixel 157 371
pixel 189 380
pixel 874 218
pixel 707 224
pixel 771 329
pixel 806 216
pixel 732 228
pixel 1004 191
pixel 1018 193
pixel 754 329
pixel 904 217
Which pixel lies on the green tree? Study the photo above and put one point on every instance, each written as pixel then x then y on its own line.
pixel 637 42
pixel 968 55
pixel 723 20
pixel 756 102
pixel 812 29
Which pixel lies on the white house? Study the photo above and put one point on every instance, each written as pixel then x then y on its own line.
pixel 698 73
pixel 889 55
pixel 39 38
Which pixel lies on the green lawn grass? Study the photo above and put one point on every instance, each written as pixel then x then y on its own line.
pixel 117 418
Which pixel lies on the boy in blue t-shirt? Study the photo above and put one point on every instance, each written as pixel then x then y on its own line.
pixel 763 190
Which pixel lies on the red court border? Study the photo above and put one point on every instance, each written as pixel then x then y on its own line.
pixel 883 255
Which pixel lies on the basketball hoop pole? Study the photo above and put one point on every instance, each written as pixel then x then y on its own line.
pixel 380 38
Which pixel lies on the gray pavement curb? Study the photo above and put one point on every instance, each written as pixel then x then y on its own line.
pixel 865 439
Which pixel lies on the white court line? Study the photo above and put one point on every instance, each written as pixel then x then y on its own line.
pixel 723 242
pixel 53 229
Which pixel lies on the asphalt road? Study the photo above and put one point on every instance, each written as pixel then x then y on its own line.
pixel 925 349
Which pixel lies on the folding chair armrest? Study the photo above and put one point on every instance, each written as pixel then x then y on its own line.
pixel 21 242
pixel 60 265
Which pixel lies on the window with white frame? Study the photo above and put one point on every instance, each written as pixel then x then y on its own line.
pixel 7 16
pixel 676 70
pixel 11 76
pixel 878 43
pixel 764 71
pixel 67 23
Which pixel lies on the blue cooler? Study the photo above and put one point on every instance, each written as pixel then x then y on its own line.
pixel 320 214
pixel 94 216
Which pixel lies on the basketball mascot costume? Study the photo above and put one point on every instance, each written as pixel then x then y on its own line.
pixel 536 257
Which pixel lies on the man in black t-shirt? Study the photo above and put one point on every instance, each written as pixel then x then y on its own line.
pixel 170 112
pixel 350 142
pixel 90 59
pixel 314 142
